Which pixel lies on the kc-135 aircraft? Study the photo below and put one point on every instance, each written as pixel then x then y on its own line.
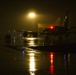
pixel 63 29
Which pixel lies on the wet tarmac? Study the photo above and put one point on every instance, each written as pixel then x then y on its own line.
pixel 37 60
pixel 30 61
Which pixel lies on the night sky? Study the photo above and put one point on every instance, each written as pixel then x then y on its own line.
pixel 13 13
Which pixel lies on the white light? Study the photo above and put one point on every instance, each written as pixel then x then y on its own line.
pixel 32 62
pixel 31 15
pixel 30 38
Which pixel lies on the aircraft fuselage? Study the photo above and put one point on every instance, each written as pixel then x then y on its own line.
pixel 56 30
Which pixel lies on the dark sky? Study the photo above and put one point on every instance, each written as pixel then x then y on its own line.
pixel 12 12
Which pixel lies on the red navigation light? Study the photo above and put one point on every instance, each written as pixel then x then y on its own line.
pixel 51 27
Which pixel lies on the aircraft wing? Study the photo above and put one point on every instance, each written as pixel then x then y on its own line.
pixel 72 28
pixel 69 33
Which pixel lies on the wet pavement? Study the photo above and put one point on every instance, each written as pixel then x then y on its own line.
pixel 22 60
pixel 36 62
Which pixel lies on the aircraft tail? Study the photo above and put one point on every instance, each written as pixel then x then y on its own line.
pixel 65 21
pixel 57 22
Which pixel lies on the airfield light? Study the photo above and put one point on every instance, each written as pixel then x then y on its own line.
pixel 51 27
pixel 31 15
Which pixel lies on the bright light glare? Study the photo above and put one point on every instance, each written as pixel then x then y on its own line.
pixel 31 15
pixel 31 39
pixel 51 27
pixel 32 62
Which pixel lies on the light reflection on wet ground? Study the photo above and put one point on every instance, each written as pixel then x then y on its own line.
pixel 32 62
pixel 29 61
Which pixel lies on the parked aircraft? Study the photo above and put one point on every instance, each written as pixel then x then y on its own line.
pixel 63 29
